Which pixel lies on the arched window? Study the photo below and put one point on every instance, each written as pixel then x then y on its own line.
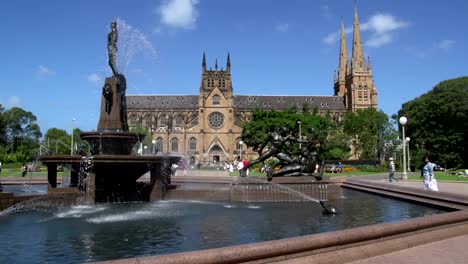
pixel 174 145
pixel 216 99
pixel 178 121
pixel 146 121
pixel 133 120
pixel 193 144
pixel 164 120
pixel 159 145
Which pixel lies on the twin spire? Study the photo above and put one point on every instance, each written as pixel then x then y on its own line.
pixel 228 64
pixel 358 61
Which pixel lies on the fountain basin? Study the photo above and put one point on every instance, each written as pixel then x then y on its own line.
pixel 113 178
pixel 111 143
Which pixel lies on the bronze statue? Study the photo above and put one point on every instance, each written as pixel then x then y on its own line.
pixel 278 146
pixel 107 93
pixel 112 39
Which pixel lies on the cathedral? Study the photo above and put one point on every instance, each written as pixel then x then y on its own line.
pixel 206 128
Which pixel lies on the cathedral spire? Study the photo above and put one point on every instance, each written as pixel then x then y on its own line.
pixel 216 64
pixel 358 61
pixel 228 64
pixel 369 65
pixel 204 62
pixel 344 59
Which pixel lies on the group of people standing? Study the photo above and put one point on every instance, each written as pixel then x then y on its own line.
pixel 427 174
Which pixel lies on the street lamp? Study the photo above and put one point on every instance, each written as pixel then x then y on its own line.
pixel 73 128
pixel 154 145
pixel 241 143
pixel 144 149
pixel 403 121
pixel 300 136
pixel 409 159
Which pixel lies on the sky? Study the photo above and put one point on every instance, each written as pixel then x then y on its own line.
pixel 54 53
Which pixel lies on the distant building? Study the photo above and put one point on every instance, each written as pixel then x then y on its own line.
pixel 207 127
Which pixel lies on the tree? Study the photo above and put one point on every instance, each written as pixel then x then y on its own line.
pixel 438 123
pixel 313 127
pixel 22 133
pixel 369 129
pixel 57 141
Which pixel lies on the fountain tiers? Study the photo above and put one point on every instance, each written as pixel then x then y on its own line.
pixel 114 173
pixel 114 177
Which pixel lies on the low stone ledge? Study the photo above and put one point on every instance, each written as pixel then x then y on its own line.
pixel 307 245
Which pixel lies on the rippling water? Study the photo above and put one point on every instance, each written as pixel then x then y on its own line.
pixel 93 233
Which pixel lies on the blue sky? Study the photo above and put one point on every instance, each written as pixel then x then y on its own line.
pixel 54 54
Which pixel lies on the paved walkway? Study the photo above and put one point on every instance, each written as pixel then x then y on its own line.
pixel 452 250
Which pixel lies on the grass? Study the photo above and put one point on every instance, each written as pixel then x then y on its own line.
pixel 442 176
pixel 43 173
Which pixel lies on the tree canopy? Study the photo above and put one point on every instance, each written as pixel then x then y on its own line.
pixel 438 123
pixel 369 129
pixel 313 127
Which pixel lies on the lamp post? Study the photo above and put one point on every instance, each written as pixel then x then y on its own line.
pixel 409 159
pixel 144 149
pixel 154 145
pixel 300 135
pixel 73 128
pixel 403 121
pixel 241 143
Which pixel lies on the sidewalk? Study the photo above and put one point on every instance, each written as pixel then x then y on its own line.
pixel 452 250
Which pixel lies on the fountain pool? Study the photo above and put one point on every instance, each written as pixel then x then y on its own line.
pixel 113 231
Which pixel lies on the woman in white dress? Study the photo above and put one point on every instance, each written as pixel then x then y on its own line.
pixel 430 182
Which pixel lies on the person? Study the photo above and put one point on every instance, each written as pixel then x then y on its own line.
pixel 240 166
pixel 24 170
pixel 339 168
pixel 391 167
pixel 246 165
pixel 0 167
pixel 430 182
pixel 183 166
pixel 231 168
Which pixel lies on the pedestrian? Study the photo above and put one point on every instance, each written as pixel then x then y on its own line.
pixel 24 170
pixel 430 183
pixel 391 167
pixel 0 168
pixel 246 164
pixel 240 167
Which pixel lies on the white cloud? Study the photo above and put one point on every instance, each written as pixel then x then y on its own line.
pixel 14 101
pixel 445 44
pixel 282 27
pixel 94 78
pixel 44 71
pixel 179 13
pixel 380 26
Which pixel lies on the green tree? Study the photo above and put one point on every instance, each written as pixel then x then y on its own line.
pixel 438 123
pixel 313 127
pixel 22 133
pixel 368 129
pixel 57 141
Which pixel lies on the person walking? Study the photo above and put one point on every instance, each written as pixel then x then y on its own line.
pixel 430 183
pixel 391 167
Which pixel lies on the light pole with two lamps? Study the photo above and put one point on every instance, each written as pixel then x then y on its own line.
pixel 300 136
pixel 73 128
pixel 154 145
pixel 409 159
pixel 403 121
pixel 241 143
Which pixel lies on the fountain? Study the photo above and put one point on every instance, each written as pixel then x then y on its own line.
pixel 112 172
pixel 48 229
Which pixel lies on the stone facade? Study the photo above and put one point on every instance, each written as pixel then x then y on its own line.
pixel 207 127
